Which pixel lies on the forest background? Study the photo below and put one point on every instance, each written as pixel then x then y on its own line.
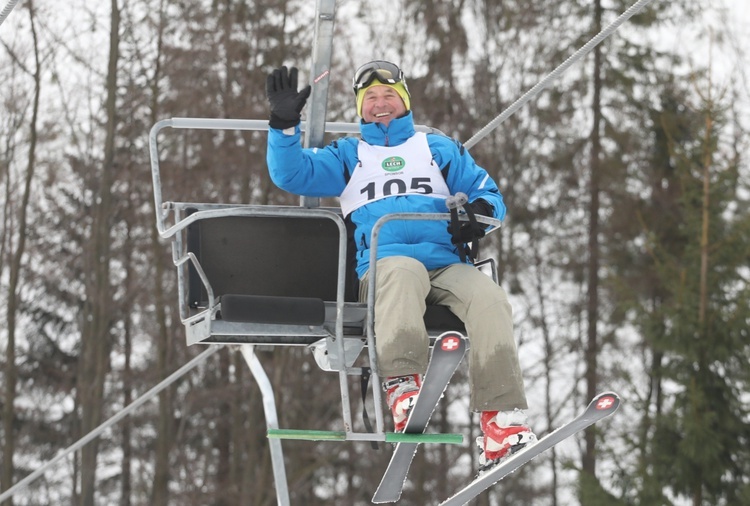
pixel 625 251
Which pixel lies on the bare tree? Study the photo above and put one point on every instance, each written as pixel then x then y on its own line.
pixel 15 271
pixel 592 272
pixel 96 339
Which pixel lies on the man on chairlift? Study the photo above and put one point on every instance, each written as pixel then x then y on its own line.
pixel 394 169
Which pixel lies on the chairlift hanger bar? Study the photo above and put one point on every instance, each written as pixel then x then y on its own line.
pixel 560 70
pixel 321 73
pixel 325 11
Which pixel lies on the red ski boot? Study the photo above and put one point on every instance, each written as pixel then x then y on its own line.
pixel 401 395
pixel 505 433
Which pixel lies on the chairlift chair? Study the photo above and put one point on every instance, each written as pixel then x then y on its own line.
pixel 270 275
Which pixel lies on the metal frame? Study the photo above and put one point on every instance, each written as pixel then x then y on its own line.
pixel 272 422
pixel 204 324
pixel 493 222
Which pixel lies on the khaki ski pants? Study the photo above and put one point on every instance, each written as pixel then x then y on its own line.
pixel 404 288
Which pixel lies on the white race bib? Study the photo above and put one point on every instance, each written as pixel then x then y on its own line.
pixel 385 171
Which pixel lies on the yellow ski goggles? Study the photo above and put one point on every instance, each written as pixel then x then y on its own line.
pixel 384 71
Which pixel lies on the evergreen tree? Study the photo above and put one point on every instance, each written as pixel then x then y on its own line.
pixel 692 304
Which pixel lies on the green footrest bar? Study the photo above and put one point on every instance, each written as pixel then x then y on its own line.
pixel 399 437
pixel 310 435
pixel 388 437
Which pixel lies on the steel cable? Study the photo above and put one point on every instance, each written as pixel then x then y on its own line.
pixel 541 85
pixel 6 11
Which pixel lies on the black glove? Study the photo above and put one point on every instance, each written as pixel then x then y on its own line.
pixel 286 102
pixel 481 207
pixel 472 229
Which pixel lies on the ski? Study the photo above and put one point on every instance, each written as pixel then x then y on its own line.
pixel 600 407
pixel 447 353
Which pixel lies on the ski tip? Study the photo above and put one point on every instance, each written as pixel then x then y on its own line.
pixel 605 403
pixel 451 341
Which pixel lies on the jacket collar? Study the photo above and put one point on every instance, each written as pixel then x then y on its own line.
pixel 398 131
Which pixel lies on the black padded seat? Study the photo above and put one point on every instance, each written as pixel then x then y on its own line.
pixel 280 310
pixel 440 319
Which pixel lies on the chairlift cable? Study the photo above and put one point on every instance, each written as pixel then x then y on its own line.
pixel 7 9
pixel 544 83
pixel 113 420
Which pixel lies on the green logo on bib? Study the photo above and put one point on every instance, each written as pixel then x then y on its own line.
pixel 393 164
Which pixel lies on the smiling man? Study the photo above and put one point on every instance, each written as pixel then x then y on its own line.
pixel 391 169
pixel 381 103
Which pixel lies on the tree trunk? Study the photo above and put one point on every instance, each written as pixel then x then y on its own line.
pixel 96 341
pixel 160 487
pixel 126 485
pixel 703 302
pixel 549 359
pixel 11 372
pixel 592 338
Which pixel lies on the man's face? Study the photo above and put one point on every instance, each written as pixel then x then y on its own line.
pixel 381 104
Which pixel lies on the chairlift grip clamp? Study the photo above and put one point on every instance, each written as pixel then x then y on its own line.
pixel 457 200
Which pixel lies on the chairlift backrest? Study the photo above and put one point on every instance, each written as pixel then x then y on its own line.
pixel 270 256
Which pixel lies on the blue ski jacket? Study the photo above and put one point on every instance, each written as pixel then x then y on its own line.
pixel 324 172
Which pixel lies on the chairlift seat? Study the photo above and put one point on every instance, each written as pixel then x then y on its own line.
pixel 275 279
